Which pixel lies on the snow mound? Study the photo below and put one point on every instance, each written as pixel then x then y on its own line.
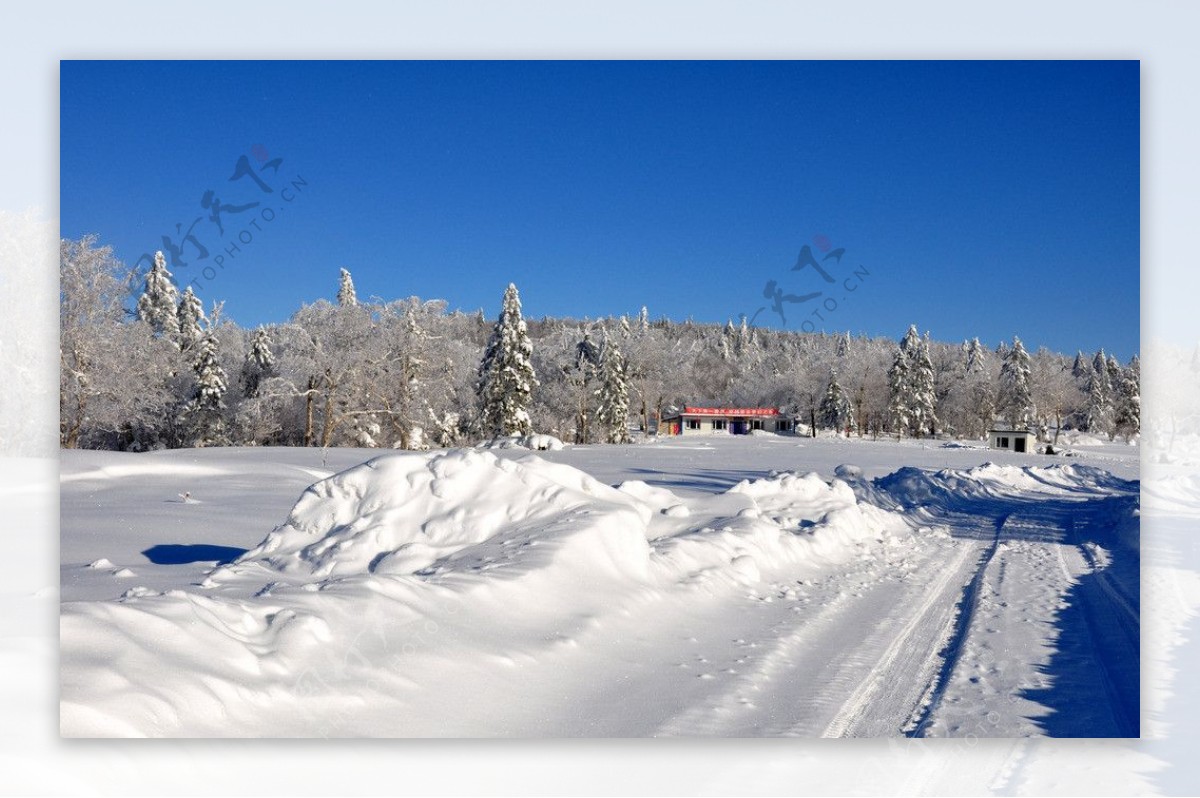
pixel 456 511
pixel 848 472
pixel 948 487
pixel 535 442
pixel 786 520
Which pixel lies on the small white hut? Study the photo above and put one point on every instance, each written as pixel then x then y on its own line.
pixel 1012 440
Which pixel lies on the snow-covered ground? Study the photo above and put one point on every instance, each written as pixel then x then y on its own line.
pixel 765 586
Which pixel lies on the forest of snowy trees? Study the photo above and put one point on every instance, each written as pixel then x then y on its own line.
pixel 144 366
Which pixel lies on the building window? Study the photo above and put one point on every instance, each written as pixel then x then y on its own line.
pixel 783 425
pixel 693 423
pixel 756 424
pixel 719 424
pixel 1002 443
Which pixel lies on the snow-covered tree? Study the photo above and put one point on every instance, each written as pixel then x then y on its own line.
pixel 506 377
pixel 899 391
pixel 203 417
pixel 836 411
pixel 191 320
pixel 259 363
pixel 1081 369
pixel 924 394
pixel 1128 415
pixel 114 387
pixel 345 295
pixel 581 371
pixel 157 306
pixel 974 357
pixel 1014 399
pixel 1099 413
pixel 612 408
pixel 911 386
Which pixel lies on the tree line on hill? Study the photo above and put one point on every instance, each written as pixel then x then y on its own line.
pixel 410 374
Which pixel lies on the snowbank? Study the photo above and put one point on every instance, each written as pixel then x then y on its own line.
pixel 460 510
pixel 536 442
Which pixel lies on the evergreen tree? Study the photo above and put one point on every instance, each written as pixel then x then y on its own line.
pixel 974 357
pixel 506 377
pixel 643 320
pixel 911 386
pixel 1081 370
pixel 584 369
pixel 612 410
pixel 345 295
pixel 923 390
pixel 837 413
pixel 1014 399
pixel 899 388
pixel 157 304
pixel 1099 414
pixel 191 319
pixel 203 416
pixel 258 364
pixel 1128 415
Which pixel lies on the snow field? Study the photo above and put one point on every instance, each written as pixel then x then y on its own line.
pixel 467 593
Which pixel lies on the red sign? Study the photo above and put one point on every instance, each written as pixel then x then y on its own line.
pixel 730 411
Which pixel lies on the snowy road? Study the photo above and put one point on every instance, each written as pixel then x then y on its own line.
pixel 470 596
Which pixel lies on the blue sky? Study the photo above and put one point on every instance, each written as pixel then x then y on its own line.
pixel 972 198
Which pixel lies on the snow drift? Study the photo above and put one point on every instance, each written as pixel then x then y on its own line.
pixel 460 510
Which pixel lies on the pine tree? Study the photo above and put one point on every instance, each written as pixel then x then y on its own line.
pixel 191 319
pixel 258 364
pixel 345 294
pixel 1128 415
pixel 899 390
pixel 837 413
pixel 643 319
pixel 924 392
pixel 1081 370
pixel 580 373
pixel 612 410
pixel 506 378
pixel 203 415
pixel 1014 399
pixel 913 397
pixel 157 304
pixel 974 357
pixel 1099 414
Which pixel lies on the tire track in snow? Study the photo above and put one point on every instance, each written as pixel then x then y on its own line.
pixel 954 646
pixel 903 650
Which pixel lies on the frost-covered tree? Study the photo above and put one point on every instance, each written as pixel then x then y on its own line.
pixel 974 357
pixel 899 388
pixel 1099 413
pixel 911 386
pixel 506 377
pixel 924 389
pixel 345 295
pixel 836 411
pixel 191 320
pixel 1128 415
pixel 259 363
pixel 113 388
pixel 1081 369
pixel 203 418
pixel 612 408
pixel 1014 398
pixel 581 373
pixel 157 306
